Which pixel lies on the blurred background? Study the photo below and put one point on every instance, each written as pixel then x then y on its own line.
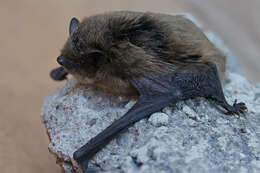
pixel 32 33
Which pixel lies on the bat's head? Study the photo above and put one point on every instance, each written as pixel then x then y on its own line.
pixel 117 45
pixel 83 52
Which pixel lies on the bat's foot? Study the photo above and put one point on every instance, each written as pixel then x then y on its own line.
pixel 237 108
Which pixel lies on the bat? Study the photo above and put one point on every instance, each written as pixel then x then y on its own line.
pixel 157 58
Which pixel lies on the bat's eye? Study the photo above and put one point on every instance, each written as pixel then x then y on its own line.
pixel 96 56
pixel 93 58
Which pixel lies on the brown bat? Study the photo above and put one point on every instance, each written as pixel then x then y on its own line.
pixel 157 58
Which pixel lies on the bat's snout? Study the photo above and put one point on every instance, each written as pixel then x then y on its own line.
pixel 67 63
pixel 61 60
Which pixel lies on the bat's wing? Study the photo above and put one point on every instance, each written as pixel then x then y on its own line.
pixel 156 92
pixel 58 74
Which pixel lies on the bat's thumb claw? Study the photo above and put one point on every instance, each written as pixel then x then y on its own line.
pixel 83 161
pixel 84 165
pixel 58 74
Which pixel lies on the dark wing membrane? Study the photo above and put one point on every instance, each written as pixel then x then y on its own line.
pixel 58 74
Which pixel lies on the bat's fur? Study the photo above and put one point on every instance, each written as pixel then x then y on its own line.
pixel 113 46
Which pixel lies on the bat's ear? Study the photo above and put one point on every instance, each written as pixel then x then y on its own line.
pixel 74 23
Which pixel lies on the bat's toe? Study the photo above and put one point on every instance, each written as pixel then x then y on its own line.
pixel 237 108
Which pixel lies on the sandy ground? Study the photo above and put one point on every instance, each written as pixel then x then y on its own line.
pixel 31 34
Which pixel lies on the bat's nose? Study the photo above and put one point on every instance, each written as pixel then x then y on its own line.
pixel 67 63
pixel 61 60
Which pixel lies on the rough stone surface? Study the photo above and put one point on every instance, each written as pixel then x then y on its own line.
pixel 192 136
pixel 159 119
pixel 189 137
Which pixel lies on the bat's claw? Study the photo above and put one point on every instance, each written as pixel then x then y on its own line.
pixel 81 159
pixel 237 108
pixel 84 165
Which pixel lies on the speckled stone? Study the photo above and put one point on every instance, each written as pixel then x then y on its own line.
pixel 159 119
pixel 191 136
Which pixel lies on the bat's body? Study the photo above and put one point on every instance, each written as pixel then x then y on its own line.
pixel 160 58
